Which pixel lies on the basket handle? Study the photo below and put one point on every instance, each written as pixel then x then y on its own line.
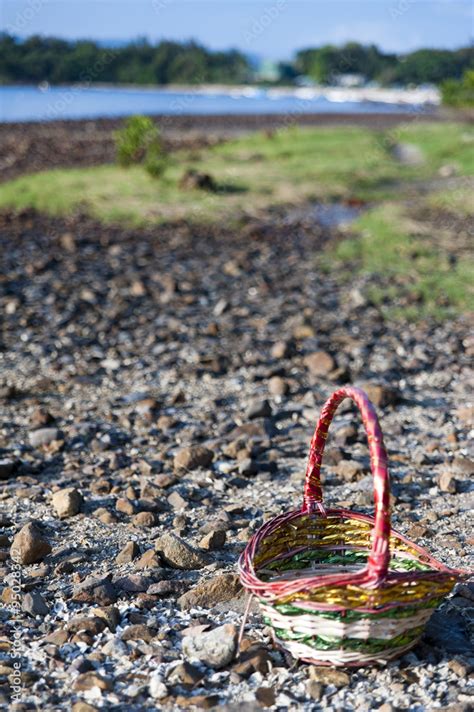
pixel 380 554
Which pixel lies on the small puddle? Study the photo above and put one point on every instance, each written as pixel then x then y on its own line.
pixel 330 215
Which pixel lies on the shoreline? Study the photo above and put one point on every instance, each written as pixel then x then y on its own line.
pixel 26 103
pixel 254 121
pixel 398 96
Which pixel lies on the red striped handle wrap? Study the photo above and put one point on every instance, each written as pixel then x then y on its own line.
pixel 380 554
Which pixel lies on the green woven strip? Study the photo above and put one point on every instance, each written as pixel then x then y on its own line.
pixel 371 645
pixel 305 558
pixel 348 615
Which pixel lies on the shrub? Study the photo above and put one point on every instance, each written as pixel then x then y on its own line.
pixel 460 92
pixel 139 142
pixel 156 160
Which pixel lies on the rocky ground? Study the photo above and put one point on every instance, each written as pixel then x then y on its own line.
pixel 159 391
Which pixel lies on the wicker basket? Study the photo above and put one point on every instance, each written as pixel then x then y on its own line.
pixel 339 587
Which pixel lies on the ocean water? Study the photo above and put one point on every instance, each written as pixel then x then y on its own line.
pixel 32 103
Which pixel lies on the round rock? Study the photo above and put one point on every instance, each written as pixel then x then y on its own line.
pixel 190 458
pixel 67 502
pixel 216 648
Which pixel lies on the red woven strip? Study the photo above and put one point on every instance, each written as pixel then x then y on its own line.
pixel 380 555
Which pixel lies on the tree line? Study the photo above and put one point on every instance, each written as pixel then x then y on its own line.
pixel 58 61
pixel 424 66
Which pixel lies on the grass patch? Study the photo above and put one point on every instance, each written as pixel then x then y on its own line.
pixel 413 275
pixel 457 200
pixel 291 166
pixel 441 144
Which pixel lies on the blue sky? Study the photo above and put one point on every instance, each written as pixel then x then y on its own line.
pixel 272 28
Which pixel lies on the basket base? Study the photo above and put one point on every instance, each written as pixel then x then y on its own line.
pixel 341 658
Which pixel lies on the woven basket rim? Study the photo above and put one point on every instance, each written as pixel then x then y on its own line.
pixel 250 579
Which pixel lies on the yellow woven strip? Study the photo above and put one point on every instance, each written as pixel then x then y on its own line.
pixel 315 532
pixel 355 596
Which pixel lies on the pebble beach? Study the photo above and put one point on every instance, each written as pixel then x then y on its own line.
pixel 159 388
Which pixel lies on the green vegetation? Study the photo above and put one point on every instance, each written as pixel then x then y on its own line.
pixel 58 61
pixel 37 59
pixel 456 201
pixel 420 266
pixel 139 142
pixel 417 267
pixel 110 193
pixel 459 93
pixel 432 65
pixel 292 166
pixel 324 64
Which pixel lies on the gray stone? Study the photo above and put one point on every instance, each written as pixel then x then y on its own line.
pixel 157 687
pixel 177 501
pixel 138 632
pixel 34 604
pixel 217 648
pixel 447 483
pixel 115 648
pixel 134 583
pixel 190 458
pixel 278 386
pixel 89 680
pixel 466 590
pixel 282 349
pixel 381 394
pixel 178 554
pixel 67 502
pixel 206 594
pixel 163 589
pixel 185 674
pixel 89 624
pixel 350 470
pixel 95 590
pixel 329 676
pixel 266 696
pixel 464 464
pixel 315 689
pixel 214 540
pixel 259 409
pixel 44 436
pixel 29 545
pixel 408 154
pixel 129 552
pixel 319 363
pixel 144 519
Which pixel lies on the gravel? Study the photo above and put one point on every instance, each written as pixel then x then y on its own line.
pixel 127 377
